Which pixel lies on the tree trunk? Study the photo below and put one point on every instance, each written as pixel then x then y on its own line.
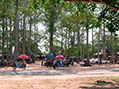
pixel 51 42
pixel 88 62
pixel 52 22
pixel 112 48
pixel 7 41
pixel 24 35
pixel 35 40
pixel 92 44
pixel 87 32
pixel 0 40
pixel 104 40
pixel 78 40
pixel 24 31
pixel 11 44
pixel 82 44
pixel 82 50
pixel 3 34
pixel 99 46
pixel 99 42
pixel 66 44
pixel 16 29
pixel 62 46
pixel 73 46
pixel 29 39
pixel 3 39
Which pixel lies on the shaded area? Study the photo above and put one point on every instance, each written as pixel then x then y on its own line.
pixel 102 84
pixel 57 72
pixel 83 87
pixel 115 70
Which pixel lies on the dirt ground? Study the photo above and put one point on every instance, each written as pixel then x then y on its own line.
pixel 59 82
pixel 71 81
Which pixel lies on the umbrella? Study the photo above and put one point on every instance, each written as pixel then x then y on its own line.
pixel 23 56
pixel 51 55
pixel 59 57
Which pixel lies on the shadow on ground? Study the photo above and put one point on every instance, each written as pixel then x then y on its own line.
pixel 115 70
pixel 83 87
pixel 101 84
pixel 57 72
pixel 39 72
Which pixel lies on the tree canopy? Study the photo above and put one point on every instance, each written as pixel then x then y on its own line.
pixel 114 4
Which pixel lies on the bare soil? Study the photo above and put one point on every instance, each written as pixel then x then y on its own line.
pixel 71 81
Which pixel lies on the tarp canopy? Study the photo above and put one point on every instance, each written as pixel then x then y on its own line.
pixel 51 55
pixel 23 56
pixel 59 57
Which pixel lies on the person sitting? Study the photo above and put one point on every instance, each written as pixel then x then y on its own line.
pixel 24 64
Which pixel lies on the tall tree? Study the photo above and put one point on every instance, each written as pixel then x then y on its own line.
pixel 114 4
pixel 11 38
pixel 104 52
pixel 87 44
pixel 78 40
pixel 24 29
pixel 93 42
pixel 16 28
pixel 30 31
pixel 6 23
pixel 35 39
pixel 51 28
pixel 99 42
pixel 3 32
pixel 112 47
pixel 51 12
pixel 24 35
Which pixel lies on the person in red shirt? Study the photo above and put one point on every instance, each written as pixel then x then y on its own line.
pixel 24 64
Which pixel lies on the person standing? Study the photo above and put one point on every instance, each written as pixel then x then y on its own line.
pixel 42 62
pixel 54 64
pixel 15 64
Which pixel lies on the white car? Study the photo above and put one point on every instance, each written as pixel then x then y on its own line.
pixel 97 61
pixel 105 61
pixel 94 60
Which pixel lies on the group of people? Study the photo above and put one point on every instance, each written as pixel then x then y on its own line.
pixel 19 64
pixel 52 62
